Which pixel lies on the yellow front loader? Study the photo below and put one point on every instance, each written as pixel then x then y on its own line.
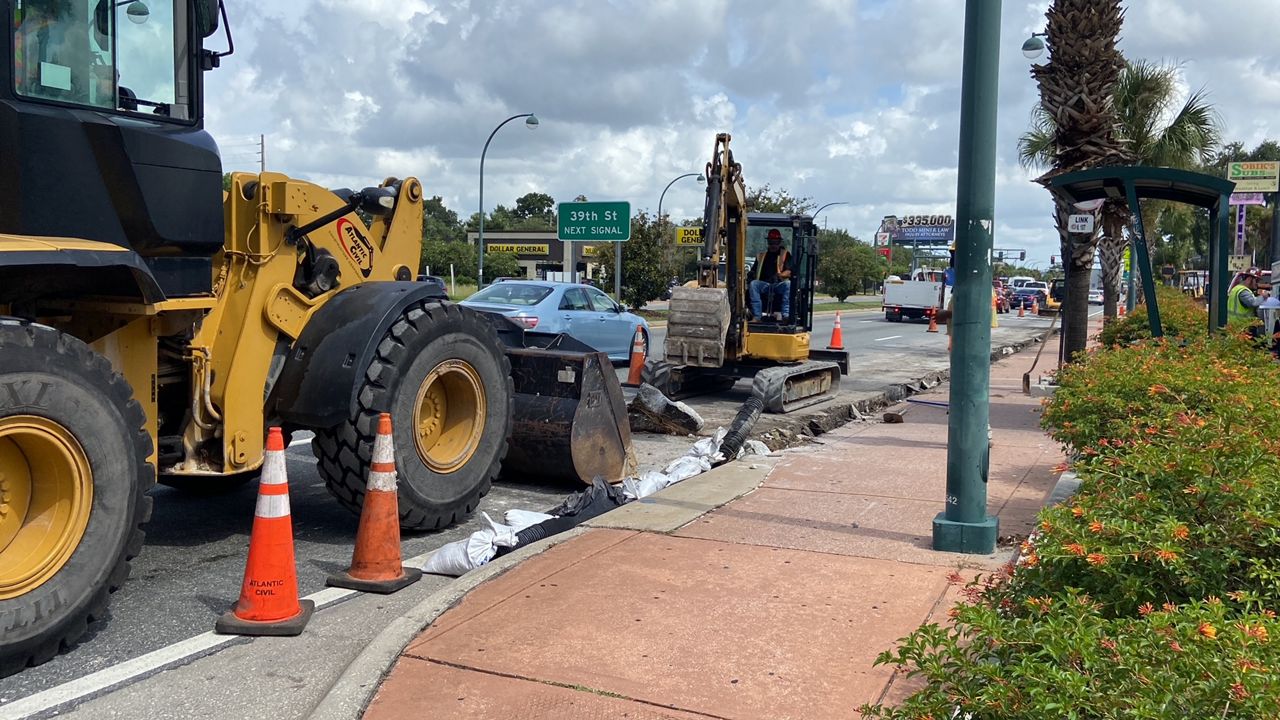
pixel 153 326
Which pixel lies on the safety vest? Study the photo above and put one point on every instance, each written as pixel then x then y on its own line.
pixel 783 258
pixel 1236 309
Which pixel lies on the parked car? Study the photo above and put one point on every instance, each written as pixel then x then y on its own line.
pixel 439 291
pixel 1025 297
pixel 580 311
pixel 1095 296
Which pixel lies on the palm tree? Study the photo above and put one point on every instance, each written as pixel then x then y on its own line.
pixel 1077 88
pixel 1146 96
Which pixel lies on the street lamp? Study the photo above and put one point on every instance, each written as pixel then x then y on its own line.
pixel 1034 45
pixel 701 179
pixel 618 257
pixel 824 207
pixel 532 123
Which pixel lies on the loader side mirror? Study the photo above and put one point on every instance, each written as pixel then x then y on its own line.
pixel 206 17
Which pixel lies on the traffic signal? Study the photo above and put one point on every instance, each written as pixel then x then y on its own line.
pixel 1053 260
pixel 1022 255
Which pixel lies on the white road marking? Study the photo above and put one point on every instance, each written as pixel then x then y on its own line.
pixel 891 337
pixel 130 671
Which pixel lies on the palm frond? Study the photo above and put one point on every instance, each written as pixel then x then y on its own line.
pixel 1191 137
pixel 1036 146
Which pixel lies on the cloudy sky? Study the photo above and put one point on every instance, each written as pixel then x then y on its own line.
pixel 835 100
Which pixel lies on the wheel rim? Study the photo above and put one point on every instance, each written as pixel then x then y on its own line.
pixel 449 416
pixel 46 494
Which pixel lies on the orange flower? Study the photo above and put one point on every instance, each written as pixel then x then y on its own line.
pixel 1046 526
pixel 1108 643
pixel 1181 532
pixel 1077 511
pixel 1095 526
pixel 1146 609
pixel 1097 559
pixel 1168 607
pixel 1075 549
pixel 1174 646
pixel 1207 630
pixel 1191 490
pixel 1238 692
pixel 1258 632
pixel 1061 467
pixel 1032 560
pixel 1157 389
pixel 1166 555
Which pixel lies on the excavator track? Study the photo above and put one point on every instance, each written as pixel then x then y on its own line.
pixel 785 388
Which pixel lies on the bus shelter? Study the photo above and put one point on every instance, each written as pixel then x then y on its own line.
pixel 1135 183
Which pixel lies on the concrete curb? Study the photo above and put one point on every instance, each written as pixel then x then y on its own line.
pixel 816 424
pixel 351 693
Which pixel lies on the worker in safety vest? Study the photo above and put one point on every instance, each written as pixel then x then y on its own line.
pixel 1242 302
pixel 772 275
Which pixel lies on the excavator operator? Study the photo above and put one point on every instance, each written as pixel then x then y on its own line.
pixel 772 276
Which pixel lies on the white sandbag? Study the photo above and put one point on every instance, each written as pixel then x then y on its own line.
pixel 521 519
pixel 686 467
pixel 462 556
pixel 709 448
pixel 647 484
pixel 754 447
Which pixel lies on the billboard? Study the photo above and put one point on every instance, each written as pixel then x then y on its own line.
pixel 920 229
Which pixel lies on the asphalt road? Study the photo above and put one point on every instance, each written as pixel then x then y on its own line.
pixel 191 567
pixel 867 333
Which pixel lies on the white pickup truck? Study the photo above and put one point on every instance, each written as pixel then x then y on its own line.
pixel 922 296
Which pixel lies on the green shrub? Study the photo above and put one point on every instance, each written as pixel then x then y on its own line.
pixel 1061 658
pixel 1150 594
pixel 1180 316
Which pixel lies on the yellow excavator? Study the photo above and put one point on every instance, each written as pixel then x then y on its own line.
pixel 713 339
pixel 154 324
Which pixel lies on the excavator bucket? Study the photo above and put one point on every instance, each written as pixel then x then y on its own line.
pixel 570 418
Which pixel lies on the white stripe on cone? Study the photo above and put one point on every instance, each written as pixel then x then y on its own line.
pixel 273 469
pixel 272 506
pixel 382 481
pixel 382 453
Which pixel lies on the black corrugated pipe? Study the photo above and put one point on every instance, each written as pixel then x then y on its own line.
pixel 740 430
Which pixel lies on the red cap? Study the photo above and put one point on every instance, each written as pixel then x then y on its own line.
pixel 384 424
pixel 275 440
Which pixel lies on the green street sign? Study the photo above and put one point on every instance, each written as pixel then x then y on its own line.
pixel 594 221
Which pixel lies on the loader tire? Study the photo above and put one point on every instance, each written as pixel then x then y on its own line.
pixel 441 371
pixel 73 451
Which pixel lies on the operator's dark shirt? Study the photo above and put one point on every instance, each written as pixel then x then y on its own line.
pixel 769 271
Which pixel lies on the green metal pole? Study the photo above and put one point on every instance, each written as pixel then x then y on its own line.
pixel 1140 261
pixel 964 525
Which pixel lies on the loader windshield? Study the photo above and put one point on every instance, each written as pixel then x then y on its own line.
pixel 116 55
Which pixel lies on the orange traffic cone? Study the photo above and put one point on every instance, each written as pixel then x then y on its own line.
pixel 1035 306
pixel 933 323
pixel 375 563
pixel 1022 311
pixel 269 602
pixel 637 359
pixel 837 335
pixel 1119 309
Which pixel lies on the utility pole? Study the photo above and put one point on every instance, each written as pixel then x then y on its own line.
pixel 964 525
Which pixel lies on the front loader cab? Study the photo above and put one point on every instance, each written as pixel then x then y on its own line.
pixel 101 113
pixel 800 238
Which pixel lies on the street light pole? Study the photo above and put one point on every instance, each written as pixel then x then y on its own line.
pixel 964 525
pixel 824 207
pixel 701 179
pixel 531 123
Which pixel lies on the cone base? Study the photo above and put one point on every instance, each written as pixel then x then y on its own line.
pixel 230 624
pixel 408 577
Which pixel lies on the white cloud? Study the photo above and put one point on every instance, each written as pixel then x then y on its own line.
pixel 836 100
